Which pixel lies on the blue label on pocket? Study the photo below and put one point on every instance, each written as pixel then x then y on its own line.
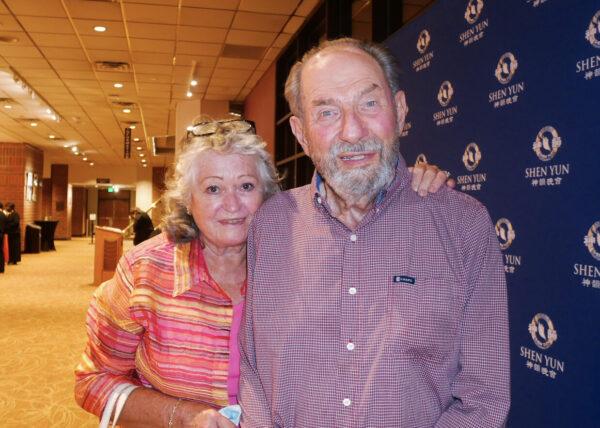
pixel 405 279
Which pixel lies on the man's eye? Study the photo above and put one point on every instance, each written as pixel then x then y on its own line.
pixel 326 114
pixel 248 186
pixel 212 189
pixel 371 104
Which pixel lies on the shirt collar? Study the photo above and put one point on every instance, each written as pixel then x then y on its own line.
pixel 190 266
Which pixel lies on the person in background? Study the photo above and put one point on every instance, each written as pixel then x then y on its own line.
pixel 2 226
pixel 162 333
pixel 13 231
pixel 142 226
pixel 368 306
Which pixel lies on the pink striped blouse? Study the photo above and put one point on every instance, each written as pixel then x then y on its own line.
pixel 164 323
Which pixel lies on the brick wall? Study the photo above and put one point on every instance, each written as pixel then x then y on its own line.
pixel 15 160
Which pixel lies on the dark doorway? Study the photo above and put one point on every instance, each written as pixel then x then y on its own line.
pixel 113 208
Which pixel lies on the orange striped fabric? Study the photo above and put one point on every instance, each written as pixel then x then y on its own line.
pixel 160 322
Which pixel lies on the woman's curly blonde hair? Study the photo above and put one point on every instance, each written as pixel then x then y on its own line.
pixel 178 224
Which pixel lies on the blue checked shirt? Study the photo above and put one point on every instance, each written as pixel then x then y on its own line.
pixel 399 323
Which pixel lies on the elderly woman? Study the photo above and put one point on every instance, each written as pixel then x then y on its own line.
pixel 162 334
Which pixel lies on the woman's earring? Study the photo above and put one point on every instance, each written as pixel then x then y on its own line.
pixel 187 210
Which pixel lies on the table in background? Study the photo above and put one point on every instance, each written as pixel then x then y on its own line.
pixel 48 229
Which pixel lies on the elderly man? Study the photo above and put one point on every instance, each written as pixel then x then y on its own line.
pixel 367 305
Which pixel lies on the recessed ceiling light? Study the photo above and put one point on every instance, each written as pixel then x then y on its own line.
pixel 7 106
pixel 189 94
pixel 33 124
pixel 48 111
pixel 141 155
pixel 118 85
pixel 52 137
pixel 138 148
pixel 74 149
pixel 194 82
pixel 126 110
pixel 99 29
pixel 85 159
pixel 65 145
pixel 145 166
pixel 91 163
pixel 132 126
pixel 136 139
pixel 143 160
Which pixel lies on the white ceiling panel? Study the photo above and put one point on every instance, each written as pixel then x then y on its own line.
pixel 212 4
pixel 40 24
pixel 105 42
pixel 55 40
pixel 101 10
pixel 151 31
pixel 149 45
pixel 155 14
pixel 63 53
pixel 259 21
pixel 199 49
pixel 85 27
pixel 282 7
pixel 201 34
pixel 250 38
pixel 206 17
pixel 52 8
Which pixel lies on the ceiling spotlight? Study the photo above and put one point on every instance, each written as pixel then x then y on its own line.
pixel 132 126
pixel 143 160
pixel 74 149
pixel 141 155
pixel 99 29
pixel 65 146
pixel 84 159
pixel 52 137
pixel 48 111
pixel 189 94
pixel 138 148
pixel 194 82
pixel 144 165
pixel 118 85
pixel 190 128
pixel 136 139
pixel 33 124
pixel 91 163
pixel 126 110
pixel 7 106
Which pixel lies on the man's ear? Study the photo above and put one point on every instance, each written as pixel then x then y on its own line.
pixel 298 131
pixel 401 109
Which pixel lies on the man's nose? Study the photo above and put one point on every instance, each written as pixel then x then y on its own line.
pixel 353 128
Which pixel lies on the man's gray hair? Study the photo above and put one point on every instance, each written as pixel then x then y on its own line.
pixel 178 223
pixel 379 53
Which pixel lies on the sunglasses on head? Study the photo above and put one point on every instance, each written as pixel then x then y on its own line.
pixel 204 129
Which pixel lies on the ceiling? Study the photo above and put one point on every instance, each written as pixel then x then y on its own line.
pixel 51 45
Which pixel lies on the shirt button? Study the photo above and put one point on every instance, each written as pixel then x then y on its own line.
pixel 353 237
pixel 319 200
pixel 352 291
pixel 350 346
pixel 346 402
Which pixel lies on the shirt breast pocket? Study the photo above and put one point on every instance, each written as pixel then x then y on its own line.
pixel 422 318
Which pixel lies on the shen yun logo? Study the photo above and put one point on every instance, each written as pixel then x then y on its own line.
pixel 590 66
pixel 421 159
pixel 592 240
pixel 590 274
pixel 423 41
pixel 505 232
pixel 445 93
pixel 444 96
pixel 474 8
pixel 542 331
pixel 592 34
pixel 504 72
pixel 546 144
pixel 544 335
pixel 506 68
pixel 471 156
pixel 424 61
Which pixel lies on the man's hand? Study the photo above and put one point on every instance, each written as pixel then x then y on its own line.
pixel 429 178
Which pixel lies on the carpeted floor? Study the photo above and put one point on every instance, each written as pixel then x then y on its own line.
pixel 43 301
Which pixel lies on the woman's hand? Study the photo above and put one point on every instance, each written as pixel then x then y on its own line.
pixel 429 178
pixel 192 415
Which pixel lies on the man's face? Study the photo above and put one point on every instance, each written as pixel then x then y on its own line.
pixel 350 121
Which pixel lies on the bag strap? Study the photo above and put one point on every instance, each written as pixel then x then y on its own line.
pixel 116 402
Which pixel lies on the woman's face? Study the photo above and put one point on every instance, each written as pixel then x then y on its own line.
pixel 226 195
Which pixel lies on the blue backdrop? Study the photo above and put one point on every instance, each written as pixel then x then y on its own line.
pixel 506 96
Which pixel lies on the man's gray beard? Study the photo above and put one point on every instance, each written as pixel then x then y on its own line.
pixel 358 183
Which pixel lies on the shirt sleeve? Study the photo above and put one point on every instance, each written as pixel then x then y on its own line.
pixel 481 387
pixel 255 408
pixel 113 337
